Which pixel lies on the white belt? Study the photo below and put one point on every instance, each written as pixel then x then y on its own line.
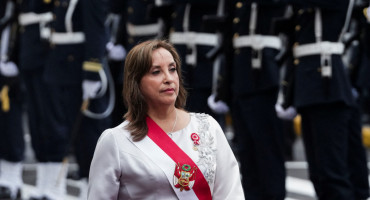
pixel 318 48
pixel 192 38
pixel 143 30
pixel 257 42
pixel 67 38
pixel 33 18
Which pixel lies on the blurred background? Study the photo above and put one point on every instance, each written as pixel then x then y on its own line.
pixel 272 73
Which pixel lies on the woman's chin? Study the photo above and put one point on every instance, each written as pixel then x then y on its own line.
pixel 169 102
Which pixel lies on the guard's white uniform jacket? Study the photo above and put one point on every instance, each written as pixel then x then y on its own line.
pixel 123 169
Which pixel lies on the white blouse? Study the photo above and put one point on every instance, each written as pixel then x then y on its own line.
pixel 121 170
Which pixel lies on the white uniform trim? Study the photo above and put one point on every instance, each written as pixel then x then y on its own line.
pixel 257 42
pixel 319 48
pixel 67 38
pixel 68 17
pixel 143 30
pixel 207 39
pixel 33 18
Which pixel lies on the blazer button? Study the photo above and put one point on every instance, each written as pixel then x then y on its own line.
pixel 174 15
pixel 239 4
pixel 130 10
pixel 297 28
pixel 296 61
pixel 236 20
pixel 70 58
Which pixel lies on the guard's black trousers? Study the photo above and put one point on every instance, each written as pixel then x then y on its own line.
pixel 11 127
pixel 334 151
pixel 261 146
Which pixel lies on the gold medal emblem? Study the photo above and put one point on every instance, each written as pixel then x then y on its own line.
pixel 184 177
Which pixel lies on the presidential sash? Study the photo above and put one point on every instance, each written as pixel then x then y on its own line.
pixel 185 177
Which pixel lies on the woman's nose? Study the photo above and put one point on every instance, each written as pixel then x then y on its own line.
pixel 168 77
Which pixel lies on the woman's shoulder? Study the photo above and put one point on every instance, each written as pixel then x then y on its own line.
pixel 114 132
pixel 203 117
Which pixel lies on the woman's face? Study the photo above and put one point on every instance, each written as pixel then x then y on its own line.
pixel 160 86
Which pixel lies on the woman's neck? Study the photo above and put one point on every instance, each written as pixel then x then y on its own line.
pixel 165 118
pixel 162 113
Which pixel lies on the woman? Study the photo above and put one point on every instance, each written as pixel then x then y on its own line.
pixel 161 151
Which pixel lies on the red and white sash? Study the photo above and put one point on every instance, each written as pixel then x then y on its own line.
pixel 164 152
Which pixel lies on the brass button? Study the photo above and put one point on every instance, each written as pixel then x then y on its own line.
pixel 236 20
pixel 295 44
pixel 174 15
pixel 300 11
pixel 56 3
pixel 237 51
pixel 47 1
pixel 284 83
pixel 236 35
pixel 131 40
pixel 70 58
pixel 297 28
pixel 172 30
pixel 296 61
pixel 130 10
pixel 239 4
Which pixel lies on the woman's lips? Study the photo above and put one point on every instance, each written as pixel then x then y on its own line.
pixel 169 90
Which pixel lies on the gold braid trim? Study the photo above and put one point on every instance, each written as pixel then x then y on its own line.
pixel 365 12
pixel 92 66
pixel 5 98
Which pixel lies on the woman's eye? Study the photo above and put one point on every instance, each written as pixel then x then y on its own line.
pixel 155 72
pixel 173 69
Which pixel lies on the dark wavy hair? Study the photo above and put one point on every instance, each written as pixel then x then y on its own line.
pixel 138 62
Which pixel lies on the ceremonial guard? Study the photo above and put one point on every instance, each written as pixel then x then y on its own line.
pixel 363 82
pixel 143 21
pixel 250 87
pixel 11 129
pixel 324 97
pixel 356 58
pixel 130 22
pixel 75 75
pixel 194 40
pixel 47 144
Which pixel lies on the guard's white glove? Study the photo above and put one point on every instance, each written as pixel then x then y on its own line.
pixel 8 69
pixel 90 89
pixel 115 52
pixel 218 107
pixel 285 114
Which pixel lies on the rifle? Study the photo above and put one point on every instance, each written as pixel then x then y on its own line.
pixel 284 27
pixel 221 54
